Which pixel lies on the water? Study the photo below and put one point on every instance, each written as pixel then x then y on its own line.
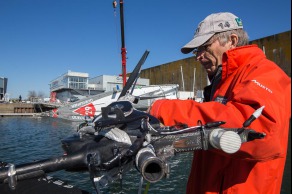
pixel 25 139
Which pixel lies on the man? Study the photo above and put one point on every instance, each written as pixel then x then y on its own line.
pixel 242 80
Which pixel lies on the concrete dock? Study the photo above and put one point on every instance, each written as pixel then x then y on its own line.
pixel 24 109
pixel 20 114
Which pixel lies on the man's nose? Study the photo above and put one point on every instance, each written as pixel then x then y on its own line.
pixel 200 55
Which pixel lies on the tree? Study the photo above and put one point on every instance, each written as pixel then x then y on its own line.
pixel 41 94
pixel 31 94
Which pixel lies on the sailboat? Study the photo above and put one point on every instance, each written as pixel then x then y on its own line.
pixel 91 106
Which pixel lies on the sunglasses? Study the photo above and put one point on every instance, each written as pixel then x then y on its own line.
pixel 202 48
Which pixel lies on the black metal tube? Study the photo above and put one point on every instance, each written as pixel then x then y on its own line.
pixel 48 165
pixel 122 22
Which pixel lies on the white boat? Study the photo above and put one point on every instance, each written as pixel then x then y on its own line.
pixel 91 106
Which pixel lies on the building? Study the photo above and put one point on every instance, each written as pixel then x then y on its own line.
pixel 3 87
pixel 110 82
pixel 72 86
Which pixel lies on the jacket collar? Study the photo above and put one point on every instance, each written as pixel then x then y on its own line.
pixel 239 56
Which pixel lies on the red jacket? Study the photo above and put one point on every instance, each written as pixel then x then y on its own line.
pixel 249 81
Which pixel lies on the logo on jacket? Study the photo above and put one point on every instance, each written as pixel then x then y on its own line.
pixel 262 86
pixel 221 99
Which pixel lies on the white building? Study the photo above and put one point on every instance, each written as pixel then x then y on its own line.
pixel 72 86
pixel 110 82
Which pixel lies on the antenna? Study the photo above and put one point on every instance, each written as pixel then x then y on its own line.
pixel 134 75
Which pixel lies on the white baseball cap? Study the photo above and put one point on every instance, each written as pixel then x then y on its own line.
pixel 216 22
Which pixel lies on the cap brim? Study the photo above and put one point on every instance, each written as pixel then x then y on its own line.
pixel 196 42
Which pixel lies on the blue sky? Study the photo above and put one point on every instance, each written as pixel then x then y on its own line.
pixel 43 39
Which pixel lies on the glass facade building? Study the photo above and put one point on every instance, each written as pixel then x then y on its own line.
pixel 70 80
pixel 3 87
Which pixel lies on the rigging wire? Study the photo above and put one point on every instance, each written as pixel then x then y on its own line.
pixel 117 31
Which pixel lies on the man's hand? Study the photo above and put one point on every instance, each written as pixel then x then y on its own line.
pixel 149 108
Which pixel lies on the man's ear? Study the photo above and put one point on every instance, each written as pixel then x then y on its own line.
pixel 234 40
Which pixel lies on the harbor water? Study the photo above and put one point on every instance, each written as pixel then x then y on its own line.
pixel 27 139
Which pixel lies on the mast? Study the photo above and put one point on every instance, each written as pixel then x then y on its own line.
pixel 123 48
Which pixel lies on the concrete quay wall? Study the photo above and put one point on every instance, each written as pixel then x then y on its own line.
pixel 17 108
